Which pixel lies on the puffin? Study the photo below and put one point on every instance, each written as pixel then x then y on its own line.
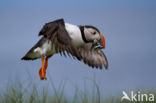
pixel 84 43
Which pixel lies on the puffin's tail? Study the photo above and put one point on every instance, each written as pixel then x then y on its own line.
pixel 31 55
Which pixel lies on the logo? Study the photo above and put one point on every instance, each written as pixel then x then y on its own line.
pixel 137 96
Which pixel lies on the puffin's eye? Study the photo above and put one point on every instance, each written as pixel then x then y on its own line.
pixel 94 33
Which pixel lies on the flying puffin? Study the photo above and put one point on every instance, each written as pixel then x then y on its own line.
pixel 83 42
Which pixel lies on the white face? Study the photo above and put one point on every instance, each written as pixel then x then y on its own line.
pixel 91 34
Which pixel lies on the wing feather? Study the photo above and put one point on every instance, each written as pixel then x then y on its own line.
pixel 56 32
pixel 93 57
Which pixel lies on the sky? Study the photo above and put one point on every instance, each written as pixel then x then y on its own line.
pixel 129 27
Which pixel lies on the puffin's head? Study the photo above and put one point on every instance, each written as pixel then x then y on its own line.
pixel 92 34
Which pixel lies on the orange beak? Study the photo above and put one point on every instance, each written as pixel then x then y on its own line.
pixel 102 40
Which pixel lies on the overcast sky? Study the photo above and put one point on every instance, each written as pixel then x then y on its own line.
pixel 129 27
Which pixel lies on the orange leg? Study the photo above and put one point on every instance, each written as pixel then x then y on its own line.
pixel 45 67
pixel 42 71
pixel 46 63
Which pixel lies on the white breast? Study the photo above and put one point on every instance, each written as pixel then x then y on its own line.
pixel 75 33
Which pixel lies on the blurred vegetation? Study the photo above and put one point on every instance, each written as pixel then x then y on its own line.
pixel 16 93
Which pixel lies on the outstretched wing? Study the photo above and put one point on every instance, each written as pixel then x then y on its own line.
pixel 55 31
pixel 93 57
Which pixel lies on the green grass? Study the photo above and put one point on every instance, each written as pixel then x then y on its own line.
pixel 16 93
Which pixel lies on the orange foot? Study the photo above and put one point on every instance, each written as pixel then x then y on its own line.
pixel 42 71
pixel 42 74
